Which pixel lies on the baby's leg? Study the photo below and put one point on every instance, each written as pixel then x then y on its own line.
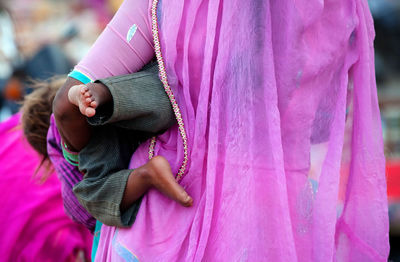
pixel 69 119
pixel 109 191
pixel 88 97
pixel 155 173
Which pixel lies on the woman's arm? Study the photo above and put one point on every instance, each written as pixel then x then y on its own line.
pixel 124 47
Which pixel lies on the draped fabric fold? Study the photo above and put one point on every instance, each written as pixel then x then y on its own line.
pixel 285 147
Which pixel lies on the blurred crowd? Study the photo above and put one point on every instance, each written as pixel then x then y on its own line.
pixel 43 38
pixel 387 64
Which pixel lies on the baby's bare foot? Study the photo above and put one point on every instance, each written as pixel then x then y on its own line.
pixel 163 180
pixel 79 96
pixel 89 97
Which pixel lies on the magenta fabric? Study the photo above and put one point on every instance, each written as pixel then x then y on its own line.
pixel 33 224
pixel 277 169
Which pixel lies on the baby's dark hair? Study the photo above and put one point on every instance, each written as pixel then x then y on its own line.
pixel 36 111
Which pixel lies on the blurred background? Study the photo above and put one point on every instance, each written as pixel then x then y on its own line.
pixel 386 15
pixel 41 38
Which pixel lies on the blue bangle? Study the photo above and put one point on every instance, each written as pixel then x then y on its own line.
pixel 80 76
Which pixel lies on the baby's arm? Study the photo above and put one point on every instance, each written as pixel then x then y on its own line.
pixel 123 47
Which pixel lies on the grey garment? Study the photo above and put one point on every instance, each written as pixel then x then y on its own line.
pixel 104 162
pixel 139 103
pixel 140 109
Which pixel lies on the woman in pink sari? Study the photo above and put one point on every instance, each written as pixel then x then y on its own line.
pixel 278 138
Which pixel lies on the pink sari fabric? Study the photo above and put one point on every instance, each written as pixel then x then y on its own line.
pixel 285 147
pixel 33 224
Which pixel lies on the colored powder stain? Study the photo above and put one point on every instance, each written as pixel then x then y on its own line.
pixel 314 185
pixel 298 78
pixel 159 14
pixel 122 251
pixel 131 32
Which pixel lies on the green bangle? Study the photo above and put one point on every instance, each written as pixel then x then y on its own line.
pixel 71 157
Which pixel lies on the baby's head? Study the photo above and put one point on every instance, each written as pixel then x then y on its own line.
pixel 36 111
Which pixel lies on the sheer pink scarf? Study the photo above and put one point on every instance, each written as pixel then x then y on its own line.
pixel 284 139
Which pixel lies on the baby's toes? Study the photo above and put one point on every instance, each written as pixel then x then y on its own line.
pixel 89 112
pixel 93 104
pixel 87 94
pixel 83 89
pixel 88 100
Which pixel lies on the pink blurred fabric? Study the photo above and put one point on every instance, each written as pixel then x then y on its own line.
pixel 286 155
pixel 33 224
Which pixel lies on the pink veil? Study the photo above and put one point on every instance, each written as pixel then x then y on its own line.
pixel 285 155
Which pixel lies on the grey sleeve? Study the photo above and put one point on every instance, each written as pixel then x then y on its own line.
pixel 139 102
pixel 104 161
